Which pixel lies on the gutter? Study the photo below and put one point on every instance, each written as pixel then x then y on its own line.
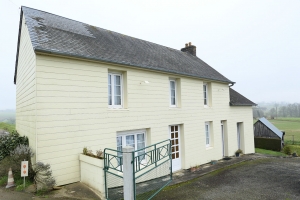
pixel 40 50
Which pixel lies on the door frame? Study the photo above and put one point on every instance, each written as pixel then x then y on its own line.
pixel 179 144
pixel 223 139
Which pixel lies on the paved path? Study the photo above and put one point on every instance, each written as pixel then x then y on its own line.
pixel 258 178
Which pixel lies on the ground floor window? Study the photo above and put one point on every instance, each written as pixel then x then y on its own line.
pixel 135 139
pixel 207 134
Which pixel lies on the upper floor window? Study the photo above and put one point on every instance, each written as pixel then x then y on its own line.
pixel 115 90
pixel 205 94
pixel 173 99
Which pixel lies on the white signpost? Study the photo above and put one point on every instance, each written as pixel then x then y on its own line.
pixel 24 170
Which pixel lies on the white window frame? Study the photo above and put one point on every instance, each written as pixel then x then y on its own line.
pixel 113 74
pixel 205 94
pixel 175 84
pixel 207 134
pixel 135 133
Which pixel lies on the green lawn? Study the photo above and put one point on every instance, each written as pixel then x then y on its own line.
pixel 8 127
pixel 269 152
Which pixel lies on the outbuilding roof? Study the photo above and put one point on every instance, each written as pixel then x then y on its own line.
pixel 236 99
pixel 58 35
pixel 270 126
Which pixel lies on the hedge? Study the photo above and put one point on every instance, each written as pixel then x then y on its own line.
pixel 268 143
pixel 9 142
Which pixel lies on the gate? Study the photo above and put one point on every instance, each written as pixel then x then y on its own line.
pixel 152 171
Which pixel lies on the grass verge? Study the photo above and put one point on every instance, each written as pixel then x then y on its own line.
pixel 269 152
pixel 7 127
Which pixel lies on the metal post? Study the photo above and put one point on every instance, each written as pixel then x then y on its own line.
pixel 128 173
pixel 293 140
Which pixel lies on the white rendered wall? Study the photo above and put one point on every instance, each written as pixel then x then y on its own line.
pixel 26 88
pixel 72 113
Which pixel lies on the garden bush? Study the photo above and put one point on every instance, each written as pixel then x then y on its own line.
pixel 287 150
pixel 9 142
pixel 21 153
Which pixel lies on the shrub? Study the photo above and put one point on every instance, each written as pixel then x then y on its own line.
pixel 287 150
pixel 21 153
pixel 88 152
pixel 43 176
pixel 9 142
pixel 239 151
pixel 99 154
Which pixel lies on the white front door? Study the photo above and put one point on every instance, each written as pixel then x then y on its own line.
pixel 223 144
pixel 175 141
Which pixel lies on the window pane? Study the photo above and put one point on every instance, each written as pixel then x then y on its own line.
pixel 117 90
pixel 140 138
pixel 119 145
pixel 141 145
pixel 109 79
pixel 109 100
pixel 205 94
pixel 172 85
pixel 117 100
pixel 109 90
pixel 117 80
pixel 172 93
pixel 173 102
pixel 207 133
pixel 130 140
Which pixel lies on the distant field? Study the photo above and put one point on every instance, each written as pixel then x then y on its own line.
pixel 291 126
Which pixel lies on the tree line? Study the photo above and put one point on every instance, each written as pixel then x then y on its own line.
pixel 288 110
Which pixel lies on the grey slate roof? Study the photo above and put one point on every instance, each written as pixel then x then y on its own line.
pixel 54 34
pixel 271 126
pixel 236 99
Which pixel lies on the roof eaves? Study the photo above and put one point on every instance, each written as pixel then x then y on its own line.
pixel 238 104
pixel 18 45
pixel 41 50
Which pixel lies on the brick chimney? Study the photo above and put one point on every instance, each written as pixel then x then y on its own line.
pixel 189 48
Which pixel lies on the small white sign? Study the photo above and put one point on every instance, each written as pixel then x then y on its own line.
pixel 24 168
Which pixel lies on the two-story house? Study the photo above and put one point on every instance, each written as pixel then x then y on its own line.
pixel 79 85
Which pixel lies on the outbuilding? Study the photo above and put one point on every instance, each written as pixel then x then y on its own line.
pixel 267 136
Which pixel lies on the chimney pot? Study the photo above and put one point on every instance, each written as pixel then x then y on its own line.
pixel 189 48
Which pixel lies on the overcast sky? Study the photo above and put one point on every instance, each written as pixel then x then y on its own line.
pixel 255 43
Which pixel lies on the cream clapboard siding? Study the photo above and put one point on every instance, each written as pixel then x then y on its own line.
pixel 72 113
pixel 26 88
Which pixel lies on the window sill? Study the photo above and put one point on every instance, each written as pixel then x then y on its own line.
pixel 174 107
pixel 209 148
pixel 206 106
pixel 118 109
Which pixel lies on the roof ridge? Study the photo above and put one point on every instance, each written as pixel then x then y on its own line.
pixel 108 30
pixel 55 15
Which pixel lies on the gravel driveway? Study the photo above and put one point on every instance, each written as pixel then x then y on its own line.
pixel 267 178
